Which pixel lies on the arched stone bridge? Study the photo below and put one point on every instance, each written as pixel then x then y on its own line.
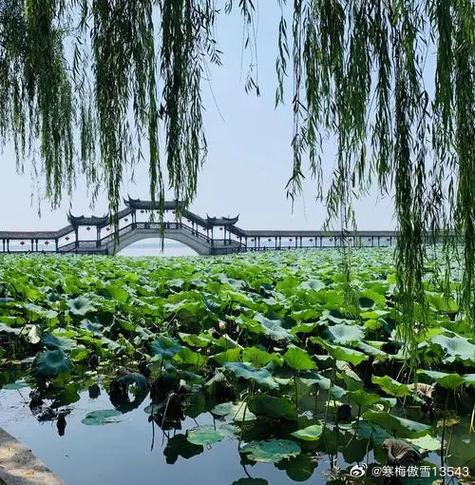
pixel 207 236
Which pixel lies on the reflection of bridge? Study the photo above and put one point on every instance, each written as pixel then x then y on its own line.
pixel 206 236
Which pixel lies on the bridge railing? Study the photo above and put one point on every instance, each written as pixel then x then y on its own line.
pixel 67 247
pixel 195 232
pixel 123 230
pixel 78 245
pixel 154 226
pixel 227 242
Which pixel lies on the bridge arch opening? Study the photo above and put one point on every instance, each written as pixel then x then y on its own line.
pixel 153 247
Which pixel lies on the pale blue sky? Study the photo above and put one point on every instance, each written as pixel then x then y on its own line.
pixel 249 159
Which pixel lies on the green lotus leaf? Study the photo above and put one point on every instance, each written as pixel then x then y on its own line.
pixel 227 343
pixel 455 348
pixel 14 386
pixel 81 306
pixel 249 372
pixel 366 302
pixel 363 398
pixel 461 450
pixel 426 443
pixel 323 383
pixel 298 359
pixel 230 355
pixel 93 327
pixel 441 302
pixel 446 380
pixel 208 434
pixel 179 445
pixel 352 379
pixel 238 412
pixel 50 364
pixel 374 433
pixel 287 285
pixel 165 347
pixel 273 329
pixel 59 343
pixel 396 426
pixel 373 296
pixel 202 340
pixel 313 284
pixel 116 291
pixel 36 312
pixel 177 283
pixel 341 353
pixel 310 433
pixel 187 356
pixel 303 328
pixel 371 350
pixel 258 357
pixel 391 386
pixel 101 417
pixel 275 407
pixel 153 409
pixel 373 314
pixel 271 451
pixel 344 334
pixel 69 394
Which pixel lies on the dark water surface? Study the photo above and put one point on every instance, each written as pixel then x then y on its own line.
pixel 120 453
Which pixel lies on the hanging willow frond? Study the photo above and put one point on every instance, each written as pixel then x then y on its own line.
pixel 83 82
pixel 37 99
pixel 363 71
pixel 248 13
pixel 124 73
pixel 464 82
pixel 187 39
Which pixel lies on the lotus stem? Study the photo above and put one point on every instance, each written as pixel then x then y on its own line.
pixel 296 390
pixel 329 396
pixel 471 428
pixel 442 446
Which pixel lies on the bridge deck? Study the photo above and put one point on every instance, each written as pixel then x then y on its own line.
pixel 190 229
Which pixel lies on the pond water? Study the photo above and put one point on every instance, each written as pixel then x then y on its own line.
pixel 121 452
pixel 198 335
pixel 153 247
pixel 132 448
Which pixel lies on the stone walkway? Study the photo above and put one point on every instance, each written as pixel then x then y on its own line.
pixel 18 465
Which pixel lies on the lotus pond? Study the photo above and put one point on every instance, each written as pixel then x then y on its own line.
pixel 248 369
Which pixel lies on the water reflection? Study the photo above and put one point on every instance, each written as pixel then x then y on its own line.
pixel 124 430
pixel 153 247
pixel 148 433
pixel 139 446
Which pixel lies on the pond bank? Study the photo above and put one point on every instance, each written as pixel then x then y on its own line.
pixel 18 465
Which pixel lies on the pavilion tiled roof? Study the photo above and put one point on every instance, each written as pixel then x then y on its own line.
pixel 150 205
pixel 222 221
pixel 88 221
